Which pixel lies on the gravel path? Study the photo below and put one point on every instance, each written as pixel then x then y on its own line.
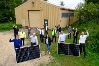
pixel 7 54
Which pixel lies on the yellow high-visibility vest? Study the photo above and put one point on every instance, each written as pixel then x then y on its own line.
pixel 53 33
pixel 22 35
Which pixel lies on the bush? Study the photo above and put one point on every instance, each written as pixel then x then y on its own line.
pixel 93 39
pixel 8 26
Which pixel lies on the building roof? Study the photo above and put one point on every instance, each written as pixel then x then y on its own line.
pixel 58 5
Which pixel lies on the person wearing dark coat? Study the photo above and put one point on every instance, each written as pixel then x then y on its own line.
pixel 15 30
pixel 48 43
pixel 75 35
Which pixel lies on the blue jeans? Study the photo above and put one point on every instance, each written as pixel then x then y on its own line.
pixel 48 46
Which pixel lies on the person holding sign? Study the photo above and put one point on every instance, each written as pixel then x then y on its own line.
pixel 17 42
pixel 82 41
pixel 34 40
pixel 62 37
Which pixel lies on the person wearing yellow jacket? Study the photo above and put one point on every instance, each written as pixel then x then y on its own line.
pixel 22 36
pixel 54 34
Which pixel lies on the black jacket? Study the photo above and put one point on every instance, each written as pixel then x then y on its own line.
pixel 15 30
pixel 49 40
pixel 76 33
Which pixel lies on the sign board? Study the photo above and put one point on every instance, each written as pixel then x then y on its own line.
pixel 69 49
pixel 27 53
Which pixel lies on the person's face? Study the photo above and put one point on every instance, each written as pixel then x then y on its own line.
pixel 76 28
pixel 17 37
pixel 61 32
pixel 15 26
pixel 47 36
pixel 82 33
pixel 33 34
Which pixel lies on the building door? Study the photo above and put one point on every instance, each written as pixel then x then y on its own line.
pixel 35 19
pixel 45 22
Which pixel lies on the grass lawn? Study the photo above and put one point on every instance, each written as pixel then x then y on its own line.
pixel 92 59
pixel 7 26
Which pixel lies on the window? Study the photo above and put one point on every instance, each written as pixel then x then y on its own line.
pixel 64 15
pixel 71 14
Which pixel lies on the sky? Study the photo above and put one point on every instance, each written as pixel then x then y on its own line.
pixel 68 3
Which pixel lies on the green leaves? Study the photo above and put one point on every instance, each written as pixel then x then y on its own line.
pixel 87 11
pixel 7 9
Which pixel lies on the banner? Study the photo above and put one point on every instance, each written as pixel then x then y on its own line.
pixel 27 53
pixel 69 49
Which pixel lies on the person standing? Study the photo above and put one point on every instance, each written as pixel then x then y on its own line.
pixel 46 30
pixel 34 39
pixel 41 34
pixel 29 31
pixel 15 30
pixel 22 36
pixel 62 37
pixel 58 29
pixel 54 32
pixel 75 35
pixel 17 42
pixel 48 43
pixel 82 41
pixel 69 31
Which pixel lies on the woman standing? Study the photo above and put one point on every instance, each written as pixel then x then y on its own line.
pixel 48 43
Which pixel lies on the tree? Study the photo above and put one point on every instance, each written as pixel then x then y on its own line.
pixel 62 3
pixel 7 9
pixel 93 1
pixel 87 11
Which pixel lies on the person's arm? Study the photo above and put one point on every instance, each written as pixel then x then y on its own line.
pixel 11 40
pixel 20 43
pixel 87 34
pixel 24 35
pixel 36 40
pixel 38 29
pixel 66 34
pixel 59 39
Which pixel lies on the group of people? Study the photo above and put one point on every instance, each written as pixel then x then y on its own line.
pixel 56 32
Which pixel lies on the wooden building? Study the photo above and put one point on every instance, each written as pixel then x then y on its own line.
pixel 37 13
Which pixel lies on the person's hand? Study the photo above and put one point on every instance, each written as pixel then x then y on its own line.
pixel 14 25
pixel 86 30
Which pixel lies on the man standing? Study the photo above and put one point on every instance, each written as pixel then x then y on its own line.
pixel 75 35
pixel 41 34
pixel 82 41
pixel 22 36
pixel 58 29
pixel 62 37
pixel 69 31
pixel 29 31
pixel 15 30
pixel 54 34
pixel 34 40
pixel 17 42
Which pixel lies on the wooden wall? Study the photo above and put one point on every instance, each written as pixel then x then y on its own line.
pixel 47 10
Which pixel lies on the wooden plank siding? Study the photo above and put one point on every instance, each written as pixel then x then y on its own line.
pixel 47 10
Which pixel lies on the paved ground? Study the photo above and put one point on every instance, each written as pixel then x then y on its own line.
pixel 7 54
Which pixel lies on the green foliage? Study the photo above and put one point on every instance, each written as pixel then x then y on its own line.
pixel 88 11
pixel 7 9
pixel 93 39
pixel 8 26
pixel 93 1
